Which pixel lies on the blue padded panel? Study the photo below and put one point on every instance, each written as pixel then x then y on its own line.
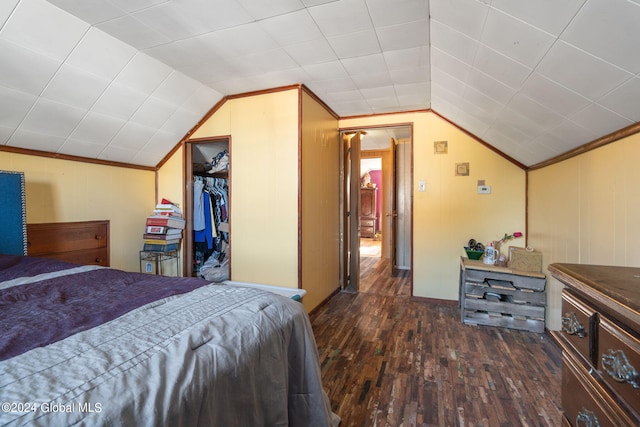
pixel 13 224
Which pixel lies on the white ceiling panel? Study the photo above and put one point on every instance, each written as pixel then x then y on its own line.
pixel 543 117
pixel 44 28
pixel 6 8
pixel 355 44
pixel 516 39
pixel 130 132
pixel 5 134
pixel 89 12
pixel 417 57
pixel 453 42
pixel 600 120
pixel 52 118
pixel 97 129
pixel 119 154
pixel 22 138
pixel 127 79
pixel 624 100
pixel 153 113
pixel 465 16
pixel 341 17
pixel 292 28
pixel 501 67
pixel 385 13
pixel 182 120
pixel 490 86
pixel 25 70
pixel 130 6
pixel 82 148
pixel 101 54
pixel 608 29
pixel 263 9
pixel 89 87
pixel 551 16
pixel 403 36
pixel 16 105
pixel 311 52
pixel 130 30
pixel 215 14
pixel 580 71
pixel 143 73
pixel 554 96
pixel 119 101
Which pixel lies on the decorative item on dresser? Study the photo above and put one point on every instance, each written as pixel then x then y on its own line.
pixel 82 242
pixel 600 340
pixel 368 211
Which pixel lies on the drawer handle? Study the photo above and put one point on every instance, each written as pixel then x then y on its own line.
pixel 617 365
pixel 587 418
pixel 572 326
pixel 99 260
pixel 99 237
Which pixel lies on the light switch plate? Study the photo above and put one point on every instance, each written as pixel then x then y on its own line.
pixel 422 185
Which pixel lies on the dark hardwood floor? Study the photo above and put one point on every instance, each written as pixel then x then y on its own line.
pixel 388 360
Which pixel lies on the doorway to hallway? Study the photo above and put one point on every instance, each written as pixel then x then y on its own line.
pixel 386 235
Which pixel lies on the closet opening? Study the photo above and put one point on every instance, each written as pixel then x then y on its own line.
pixel 207 209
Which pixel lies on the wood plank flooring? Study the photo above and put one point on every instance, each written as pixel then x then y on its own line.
pixel 388 360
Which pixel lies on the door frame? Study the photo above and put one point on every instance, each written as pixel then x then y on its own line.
pixel 343 177
pixel 187 211
pixel 350 211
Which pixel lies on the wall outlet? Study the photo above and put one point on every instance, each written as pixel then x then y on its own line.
pixel 484 189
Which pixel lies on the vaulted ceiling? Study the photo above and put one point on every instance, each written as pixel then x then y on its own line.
pixel 124 80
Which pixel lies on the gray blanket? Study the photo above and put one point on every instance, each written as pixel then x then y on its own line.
pixel 216 356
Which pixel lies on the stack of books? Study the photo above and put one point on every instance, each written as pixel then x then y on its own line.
pixel 164 228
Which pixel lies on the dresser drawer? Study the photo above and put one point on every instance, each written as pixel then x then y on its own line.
pixel 87 257
pixel 578 326
pixel 619 361
pixel 366 222
pixel 584 403
pixel 83 242
pixel 43 239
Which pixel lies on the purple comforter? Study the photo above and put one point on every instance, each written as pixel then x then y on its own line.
pixel 40 313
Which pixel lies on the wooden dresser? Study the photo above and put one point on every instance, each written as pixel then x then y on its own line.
pixel 600 340
pixel 368 212
pixel 85 242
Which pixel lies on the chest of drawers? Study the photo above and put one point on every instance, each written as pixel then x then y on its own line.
pixel 83 242
pixel 501 296
pixel 600 340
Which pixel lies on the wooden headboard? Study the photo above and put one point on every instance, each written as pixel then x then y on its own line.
pixel 83 242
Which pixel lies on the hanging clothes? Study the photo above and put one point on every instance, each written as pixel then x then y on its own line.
pixel 210 232
pixel 198 208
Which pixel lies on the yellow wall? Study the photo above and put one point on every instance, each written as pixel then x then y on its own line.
pixel 264 185
pixel 450 211
pixel 320 202
pixel 585 210
pixel 63 190
pixel 170 184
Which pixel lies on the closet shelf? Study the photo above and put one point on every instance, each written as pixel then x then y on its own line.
pixel 222 174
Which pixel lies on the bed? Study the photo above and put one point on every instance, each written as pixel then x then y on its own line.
pixel 95 346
